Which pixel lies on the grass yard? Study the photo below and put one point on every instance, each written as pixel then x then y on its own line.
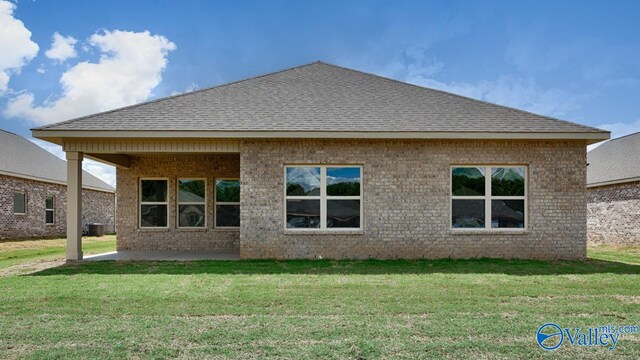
pixel 26 255
pixel 314 309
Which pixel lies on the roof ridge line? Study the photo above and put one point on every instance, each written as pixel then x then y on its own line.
pixel 624 136
pixel 464 97
pixel 174 96
pixel 9 132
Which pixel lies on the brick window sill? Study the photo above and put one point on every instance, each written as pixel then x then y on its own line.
pixel 324 232
pixel 154 230
pixel 489 232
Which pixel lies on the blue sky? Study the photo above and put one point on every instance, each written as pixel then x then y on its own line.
pixel 576 60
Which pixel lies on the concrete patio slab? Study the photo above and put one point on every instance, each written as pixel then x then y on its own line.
pixel 161 255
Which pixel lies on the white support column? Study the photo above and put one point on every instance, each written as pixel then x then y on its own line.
pixel 74 205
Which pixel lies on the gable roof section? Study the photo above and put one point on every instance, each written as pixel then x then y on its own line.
pixel 318 100
pixel 21 158
pixel 615 161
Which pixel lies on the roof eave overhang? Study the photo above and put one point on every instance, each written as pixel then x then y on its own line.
pixel 58 136
pixel 613 182
pixel 52 181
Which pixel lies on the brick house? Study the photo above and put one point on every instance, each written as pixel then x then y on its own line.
pixel 613 192
pixel 33 192
pixel 324 161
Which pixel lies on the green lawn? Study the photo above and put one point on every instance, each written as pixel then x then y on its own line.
pixel 317 309
pixel 625 254
pixel 19 252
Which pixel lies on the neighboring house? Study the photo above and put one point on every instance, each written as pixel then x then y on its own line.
pixel 613 182
pixel 33 192
pixel 324 161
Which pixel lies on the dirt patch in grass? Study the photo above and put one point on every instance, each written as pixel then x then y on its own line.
pixel 8 245
pixel 22 244
pixel 31 267
pixel 628 299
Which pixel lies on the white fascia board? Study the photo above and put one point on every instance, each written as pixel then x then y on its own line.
pixel 614 182
pixel 56 136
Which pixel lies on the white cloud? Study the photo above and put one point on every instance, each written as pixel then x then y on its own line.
pixel 62 48
pixel 16 47
pixel 519 93
pixel 191 87
pixel 416 66
pixel 130 67
pixel 617 130
pixel 415 62
pixel 621 129
pixel 103 172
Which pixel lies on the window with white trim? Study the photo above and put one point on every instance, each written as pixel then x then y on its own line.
pixel 49 210
pixel 192 203
pixel 154 204
pixel 19 203
pixel 488 197
pixel 227 203
pixel 323 197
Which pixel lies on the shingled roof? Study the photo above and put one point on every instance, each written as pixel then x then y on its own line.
pixel 21 158
pixel 320 100
pixel 615 161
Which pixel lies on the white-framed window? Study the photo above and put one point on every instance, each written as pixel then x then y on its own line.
pixel 19 203
pixel 488 197
pixel 192 203
pixel 154 204
pixel 49 209
pixel 325 197
pixel 227 210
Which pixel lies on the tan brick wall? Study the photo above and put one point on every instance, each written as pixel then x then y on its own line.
pixel 97 207
pixel 613 214
pixel 130 237
pixel 406 199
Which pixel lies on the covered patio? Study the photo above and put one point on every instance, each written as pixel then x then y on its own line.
pixel 124 151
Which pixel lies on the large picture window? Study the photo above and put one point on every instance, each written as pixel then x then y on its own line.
pixel 227 203
pixel 154 203
pixel 488 197
pixel 192 203
pixel 323 197
pixel 49 209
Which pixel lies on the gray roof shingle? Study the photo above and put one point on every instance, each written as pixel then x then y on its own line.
pixel 20 157
pixel 320 97
pixel 616 160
